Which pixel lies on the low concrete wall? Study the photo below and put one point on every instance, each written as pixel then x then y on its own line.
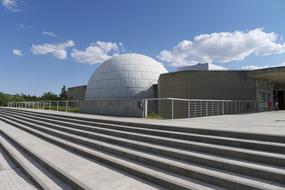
pixel 129 108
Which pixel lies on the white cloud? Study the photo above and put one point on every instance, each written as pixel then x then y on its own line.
pixel 217 67
pixel 254 67
pixel 223 47
pixel 17 52
pixel 11 5
pixel 51 34
pixel 97 52
pixel 57 50
pixel 25 26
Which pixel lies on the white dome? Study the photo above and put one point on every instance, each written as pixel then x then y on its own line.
pixel 123 76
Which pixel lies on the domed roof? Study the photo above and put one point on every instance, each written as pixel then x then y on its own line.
pixel 123 76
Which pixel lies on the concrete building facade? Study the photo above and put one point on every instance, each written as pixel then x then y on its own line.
pixel 76 93
pixel 266 86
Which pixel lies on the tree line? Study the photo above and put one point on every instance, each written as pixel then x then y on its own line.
pixel 47 96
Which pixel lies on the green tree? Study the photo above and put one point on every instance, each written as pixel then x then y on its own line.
pixel 48 96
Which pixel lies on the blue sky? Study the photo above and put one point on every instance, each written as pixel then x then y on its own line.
pixel 47 44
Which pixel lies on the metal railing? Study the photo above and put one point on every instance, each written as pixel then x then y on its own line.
pixel 164 108
pixel 171 108
pixel 67 106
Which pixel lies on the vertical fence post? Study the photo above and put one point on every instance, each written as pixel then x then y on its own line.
pixel 56 105
pixel 207 107
pixel 223 107
pixel 212 107
pixel 195 106
pixel 201 107
pixel 49 105
pixel 188 108
pixel 66 105
pixel 145 102
pixel 172 109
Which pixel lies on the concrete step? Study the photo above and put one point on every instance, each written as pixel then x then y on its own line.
pixel 65 179
pixel 223 133
pixel 155 176
pixel 13 176
pixel 240 167
pixel 37 174
pixel 225 141
pixel 220 178
pixel 273 159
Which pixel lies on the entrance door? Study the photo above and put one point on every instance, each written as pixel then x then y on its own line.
pixel 280 98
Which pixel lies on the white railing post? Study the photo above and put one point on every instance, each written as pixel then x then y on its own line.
pixel 188 108
pixel 195 108
pixel 56 105
pixel 212 107
pixel 49 105
pixel 201 107
pixel 66 105
pixel 172 109
pixel 145 108
pixel 207 106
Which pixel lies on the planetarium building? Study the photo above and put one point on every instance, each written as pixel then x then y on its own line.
pixel 124 76
pixel 119 84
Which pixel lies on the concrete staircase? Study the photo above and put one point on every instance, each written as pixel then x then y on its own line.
pixel 160 156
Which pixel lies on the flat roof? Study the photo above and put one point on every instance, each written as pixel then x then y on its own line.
pixel 82 86
pixel 274 74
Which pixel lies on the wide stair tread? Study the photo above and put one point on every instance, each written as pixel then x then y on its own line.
pixel 215 173
pixel 42 176
pixel 243 150
pixel 142 130
pixel 184 183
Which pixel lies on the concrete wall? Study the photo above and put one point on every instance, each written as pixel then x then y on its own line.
pixel 76 93
pixel 128 107
pixel 230 85
pixel 221 85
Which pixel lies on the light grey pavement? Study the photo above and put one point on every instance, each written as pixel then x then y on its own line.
pixel 265 122
pixel 11 177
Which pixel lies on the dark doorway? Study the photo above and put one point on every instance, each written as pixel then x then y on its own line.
pixel 280 99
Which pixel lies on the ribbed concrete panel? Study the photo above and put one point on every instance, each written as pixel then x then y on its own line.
pixel 124 76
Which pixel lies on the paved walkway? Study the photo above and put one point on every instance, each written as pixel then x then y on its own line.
pixel 265 122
